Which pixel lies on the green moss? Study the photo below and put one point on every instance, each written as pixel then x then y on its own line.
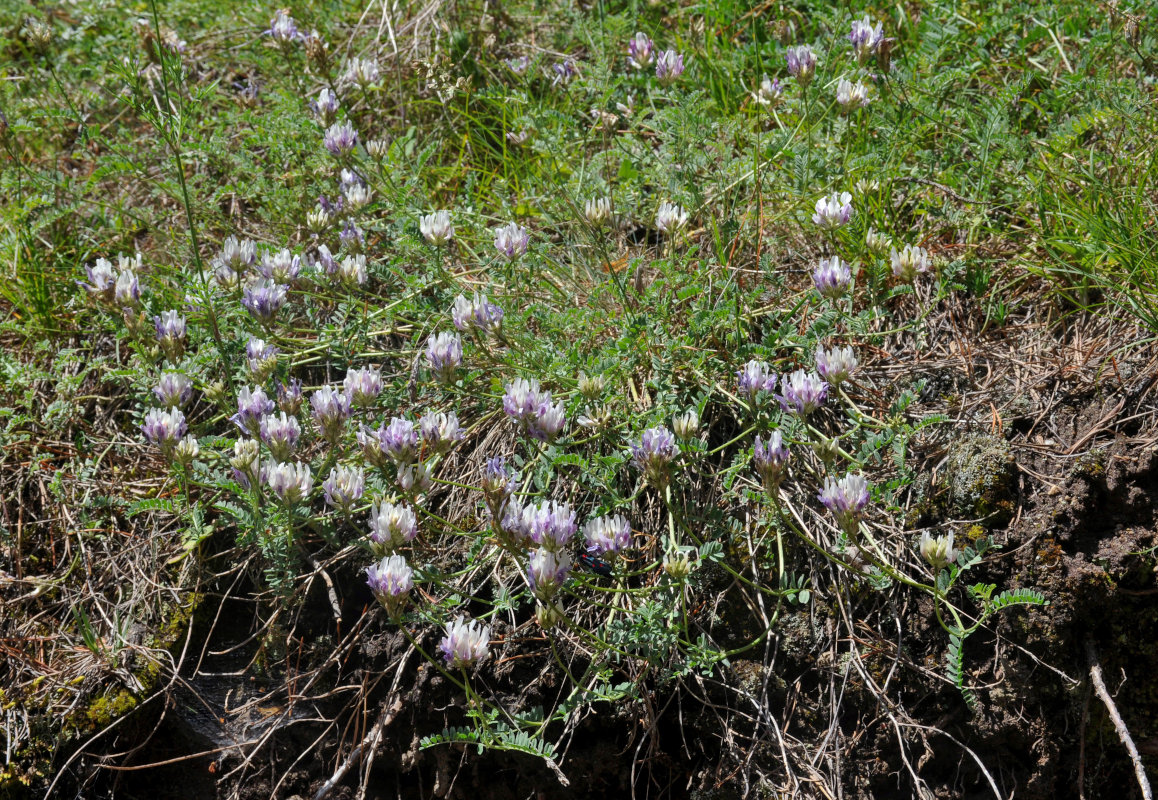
pixel 978 479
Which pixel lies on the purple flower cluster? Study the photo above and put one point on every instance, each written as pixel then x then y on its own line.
pixel 252 405
pixel 846 499
pixel 512 240
pixel 608 535
pixel 498 484
pixel 866 39
pixel 801 63
pixel 832 278
pixel 478 313
pixel 440 432
pixel 340 139
pixel 755 377
pixel 833 211
pixel 836 364
pixel 291 482
pixel 669 65
pixel 330 410
pixel 640 51
pixel 363 385
pixel 173 390
pixel 263 298
pixel 444 356
pixel 653 453
pixel 171 330
pixel 533 410
pixel 260 358
pixel 391 580
pixel 771 461
pixel 550 524
pixel 344 487
pixel 547 571
pixel 164 427
pixel 392 526
pixel 280 434
pixel 802 392
pixel 465 645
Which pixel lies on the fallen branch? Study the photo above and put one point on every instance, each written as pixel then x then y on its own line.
pixel 1116 718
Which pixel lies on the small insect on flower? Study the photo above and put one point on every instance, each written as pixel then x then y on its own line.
pixel 640 51
pixel 833 211
pixel 832 278
pixel 465 645
pixel 669 65
pixel 596 564
pixel 436 228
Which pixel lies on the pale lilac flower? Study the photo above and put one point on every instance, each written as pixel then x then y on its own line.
pixel 324 262
pixel 802 392
pixel 878 243
pixel 654 453
pixel 628 108
pixel 361 72
pixel 164 427
pixel 909 262
pixel 186 450
pixel 444 355
pixel 399 440
pixel 371 443
pixel 245 461
pixel 391 580
pixel 173 390
pixel 326 106
pixel 363 385
pixel 670 218
pixel 440 432
pixel 344 487
pixel 519 137
pixel 340 139
pixel 330 410
pixel 237 254
pixel 436 228
pixel 846 499
pixel 851 95
pixel 263 298
pixel 686 424
pixel 833 211
pixel 252 405
pixel 512 240
pixel 549 420
pixel 832 278
pixel 547 571
pixel 377 148
pixel 498 484
pixel 565 71
pixel 127 290
pixel 282 28
pixel 317 220
pixel 551 524
pixel 414 478
pixel 937 550
pixel 866 39
pixel 515 521
pixel 102 281
pixel 352 270
pixel 392 526
pixel 280 434
pixel 282 266
pixel 836 365
pixel 755 377
pixel 669 65
pixel 260 358
pixel 598 211
pixel 768 92
pixel 353 241
pixel 480 313
pixel 465 645
pixel 291 482
pixel 533 410
pixel 640 51
pixel 518 65
pixel 801 64
pixel 289 396
pixel 358 196
pixel 608 535
pixel 770 459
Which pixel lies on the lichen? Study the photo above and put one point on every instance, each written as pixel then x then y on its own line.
pixel 978 479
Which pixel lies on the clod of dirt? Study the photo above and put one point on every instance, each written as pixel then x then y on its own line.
pixel 977 479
